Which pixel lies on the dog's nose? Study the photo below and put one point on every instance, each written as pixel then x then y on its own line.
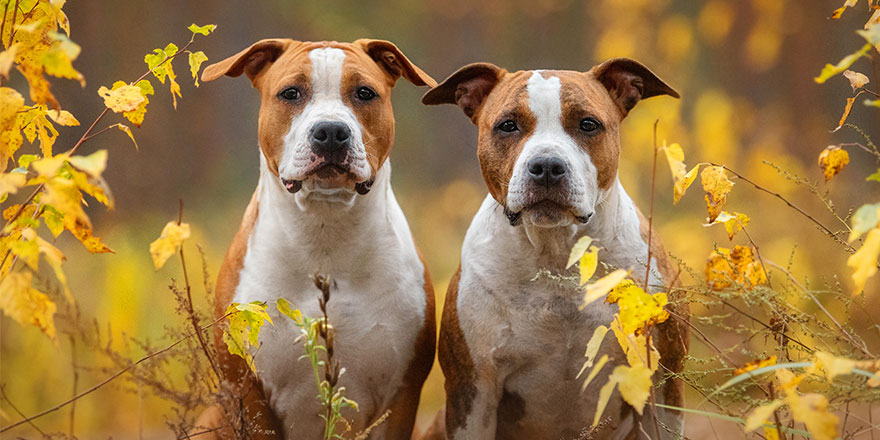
pixel 547 170
pixel 328 137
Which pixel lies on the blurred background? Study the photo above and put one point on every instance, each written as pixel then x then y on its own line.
pixel 744 69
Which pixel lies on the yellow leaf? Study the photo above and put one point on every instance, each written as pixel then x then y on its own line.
pixel 35 123
pixel 717 186
pixel 52 255
pixel 833 158
pixel 578 250
pixel 760 363
pixel 760 415
pixel 136 116
pixel 771 433
pixel 49 166
pixel 161 69
pixel 638 309
pixel 725 268
pixel 64 195
pixel 864 261
pixel 856 80
pixel 93 164
pixel 829 71
pixel 634 384
pixel 245 322
pixel 831 365
pixel 204 30
pixel 10 132
pixel 168 243
pixel 284 307
pixel 10 183
pixel 124 98
pixel 812 410
pixel 25 304
pixel 127 130
pixel 195 62
pixel 601 287
pixel 733 223
pixel 595 371
pixel 635 347
pixel 7 57
pixel 589 263
pixel 62 117
pixel 594 344
pixel 58 60
pixel 681 179
pixel 839 11
pixel 83 233
pixel 604 397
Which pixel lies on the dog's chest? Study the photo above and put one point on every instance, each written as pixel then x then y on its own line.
pixel 376 309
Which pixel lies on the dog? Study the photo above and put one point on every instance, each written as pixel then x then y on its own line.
pixel 324 204
pixel 512 340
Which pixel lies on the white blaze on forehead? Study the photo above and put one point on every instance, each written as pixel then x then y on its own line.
pixel 327 72
pixel 325 105
pixel 544 101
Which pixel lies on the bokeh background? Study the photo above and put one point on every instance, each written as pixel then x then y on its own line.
pixel 744 70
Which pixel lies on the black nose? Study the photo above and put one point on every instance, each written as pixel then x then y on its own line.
pixel 547 170
pixel 328 137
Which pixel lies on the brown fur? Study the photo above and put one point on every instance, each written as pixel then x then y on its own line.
pixel 455 360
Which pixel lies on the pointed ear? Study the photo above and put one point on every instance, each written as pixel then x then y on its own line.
pixel 394 62
pixel 468 87
pixel 628 81
pixel 250 61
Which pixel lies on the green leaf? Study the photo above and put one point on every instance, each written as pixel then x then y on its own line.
pixel 875 177
pixel 872 102
pixel 865 218
pixel 872 35
pixel 204 30
pixel 245 322
pixel 195 62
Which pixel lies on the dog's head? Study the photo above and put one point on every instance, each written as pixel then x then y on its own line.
pixel 549 140
pixel 325 119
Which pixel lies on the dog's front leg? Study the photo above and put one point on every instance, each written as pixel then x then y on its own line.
pixel 472 410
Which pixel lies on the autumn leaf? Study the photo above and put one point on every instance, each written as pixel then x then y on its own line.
pixel 864 260
pixel 245 322
pixel 53 256
pixel 169 242
pixel 25 304
pixel 602 286
pixel 578 250
pixel 594 372
pixel 681 178
pixel 856 80
pixel 759 416
pixel 637 308
pixel 62 117
pixel 846 111
pixel 35 124
pixel 832 160
pixel 10 183
pixel 594 344
pixel 717 186
pixel 724 268
pixel 760 363
pixel 284 307
pixel 733 223
pixel 136 116
pixel 830 70
pixel 11 102
pixel 58 60
pixel 634 384
pixel 162 69
pixel 635 347
pixel 122 98
pixel 831 366
pixel 195 62
pixel 203 30
pixel 83 233
pixel 839 11
pixel 7 58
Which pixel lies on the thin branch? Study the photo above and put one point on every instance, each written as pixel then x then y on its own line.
pixel 14 17
pixel 6 398
pixel 111 378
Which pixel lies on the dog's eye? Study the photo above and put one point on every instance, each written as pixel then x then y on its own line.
pixel 365 93
pixel 590 125
pixel 290 94
pixel 508 126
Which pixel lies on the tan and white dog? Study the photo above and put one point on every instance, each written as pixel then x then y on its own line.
pixel 512 340
pixel 324 204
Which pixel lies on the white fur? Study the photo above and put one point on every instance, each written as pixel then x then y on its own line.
pixel 550 139
pixel 376 305
pixel 325 105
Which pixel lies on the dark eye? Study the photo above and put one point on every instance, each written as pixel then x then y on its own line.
pixel 365 93
pixel 590 125
pixel 508 126
pixel 290 94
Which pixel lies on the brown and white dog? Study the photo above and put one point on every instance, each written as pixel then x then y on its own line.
pixel 512 340
pixel 324 204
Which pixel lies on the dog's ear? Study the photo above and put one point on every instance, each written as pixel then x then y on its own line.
pixel 394 62
pixel 628 81
pixel 250 61
pixel 468 87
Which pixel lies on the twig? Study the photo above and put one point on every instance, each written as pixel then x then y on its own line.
pixel 75 382
pixel 6 398
pixel 111 378
pixel 849 337
pixel 849 248
pixel 648 275
pixel 14 17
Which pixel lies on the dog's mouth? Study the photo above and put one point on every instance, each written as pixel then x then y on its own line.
pixel 329 176
pixel 546 213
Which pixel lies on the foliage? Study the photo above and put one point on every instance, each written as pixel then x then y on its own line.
pixel 58 182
